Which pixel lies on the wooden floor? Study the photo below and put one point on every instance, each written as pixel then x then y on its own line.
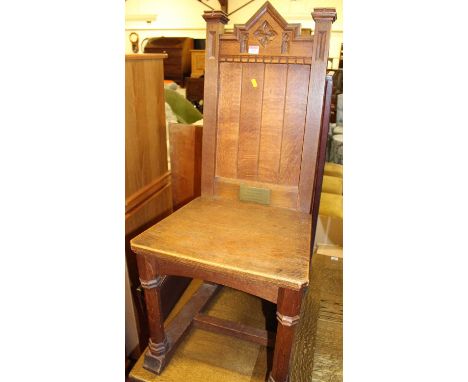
pixel 210 357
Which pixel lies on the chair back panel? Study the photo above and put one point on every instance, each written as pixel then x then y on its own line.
pixel 261 128
pixel 262 125
pixel 261 121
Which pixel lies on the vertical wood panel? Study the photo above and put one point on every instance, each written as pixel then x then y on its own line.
pixel 130 128
pixel 250 120
pixel 293 125
pixel 228 119
pixel 157 102
pixel 272 122
pixel 145 132
pixel 185 143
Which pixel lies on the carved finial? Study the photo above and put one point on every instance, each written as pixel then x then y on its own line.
pixel 324 14
pixel 215 16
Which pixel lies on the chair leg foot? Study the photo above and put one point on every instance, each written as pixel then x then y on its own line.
pixel 155 357
pixel 158 346
pixel 289 305
pixel 271 379
pixel 154 363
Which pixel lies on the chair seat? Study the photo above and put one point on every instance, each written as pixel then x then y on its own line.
pixel 248 240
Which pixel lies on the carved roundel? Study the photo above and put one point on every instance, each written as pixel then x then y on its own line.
pixel 265 34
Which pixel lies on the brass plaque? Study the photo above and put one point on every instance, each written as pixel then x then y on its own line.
pixel 254 194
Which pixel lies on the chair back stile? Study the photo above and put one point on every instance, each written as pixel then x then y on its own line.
pixel 263 103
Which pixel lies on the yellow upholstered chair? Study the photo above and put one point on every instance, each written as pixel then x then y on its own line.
pixel 330 220
pixel 333 169
pixel 332 185
pixel 331 205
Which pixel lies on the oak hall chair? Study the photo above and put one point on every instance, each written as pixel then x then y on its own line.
pixel 262 163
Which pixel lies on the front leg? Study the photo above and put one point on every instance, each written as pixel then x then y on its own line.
pixel 151 281
pixel 288 309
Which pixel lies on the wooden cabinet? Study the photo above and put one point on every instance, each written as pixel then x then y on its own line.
pixel 178 62
pixel 145 121
pixel 148 193
pixel 186 146
pixel 198 63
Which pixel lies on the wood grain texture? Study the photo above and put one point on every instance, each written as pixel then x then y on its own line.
pixel 289 304
pixel 145 133
pixel 140 196
pixel 297 45
pixel 281 196
pixel 272 113
pixel 250 121
pixel 267 291
pixel 228 119
pixel 147 180
pixel 146 56
pixel 185 151
pixel 218 234
pixel 228 241
pixel 235 329
pixel 155 208
pixel 272 122
pixel 293 125
pixel 147 272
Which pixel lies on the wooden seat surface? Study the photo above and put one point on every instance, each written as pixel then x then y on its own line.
pixel 249 240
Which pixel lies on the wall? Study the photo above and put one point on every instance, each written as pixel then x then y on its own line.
pixel 182 18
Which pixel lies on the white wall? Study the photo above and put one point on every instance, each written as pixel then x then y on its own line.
pixel 182 18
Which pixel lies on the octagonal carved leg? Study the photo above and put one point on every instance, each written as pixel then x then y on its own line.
pixel 288 309
pixel 151 281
